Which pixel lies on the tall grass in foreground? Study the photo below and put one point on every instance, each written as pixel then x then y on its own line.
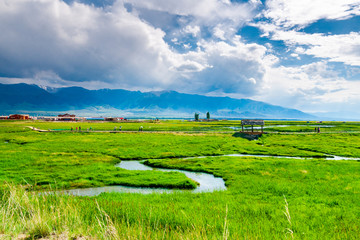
pixel 29 215
pixel 39 216
pixel 218 215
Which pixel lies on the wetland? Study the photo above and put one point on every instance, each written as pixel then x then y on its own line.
pixel 282 169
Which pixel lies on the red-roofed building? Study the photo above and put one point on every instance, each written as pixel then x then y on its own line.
pixel 66 117
pixel 19 117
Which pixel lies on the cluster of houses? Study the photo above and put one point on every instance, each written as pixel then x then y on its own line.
pixel 61 117
pixel 16 117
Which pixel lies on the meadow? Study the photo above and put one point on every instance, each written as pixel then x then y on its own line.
pixel 191 126
pixel 266 198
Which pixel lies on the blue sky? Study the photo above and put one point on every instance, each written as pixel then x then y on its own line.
pixel 298 54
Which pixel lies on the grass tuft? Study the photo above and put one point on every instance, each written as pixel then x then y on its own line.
pixel 288 217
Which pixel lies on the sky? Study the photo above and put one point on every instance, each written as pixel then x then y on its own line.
pixel 297 54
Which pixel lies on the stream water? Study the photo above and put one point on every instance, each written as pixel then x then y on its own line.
pixel 208 182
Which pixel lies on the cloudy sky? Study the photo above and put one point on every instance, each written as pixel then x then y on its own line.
pixel 299 54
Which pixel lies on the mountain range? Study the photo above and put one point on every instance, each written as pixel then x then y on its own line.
pixel 24 98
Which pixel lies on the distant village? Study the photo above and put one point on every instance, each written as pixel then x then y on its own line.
pixel 73 117
pixel 61 117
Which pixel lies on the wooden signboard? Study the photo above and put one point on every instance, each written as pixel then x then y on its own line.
pixel 252 122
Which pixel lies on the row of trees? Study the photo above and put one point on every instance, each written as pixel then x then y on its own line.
pixel 198 114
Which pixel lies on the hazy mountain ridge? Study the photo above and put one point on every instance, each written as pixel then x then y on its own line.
pixel 16 97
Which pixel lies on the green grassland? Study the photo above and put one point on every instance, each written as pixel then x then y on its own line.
pixel 267 198
pixel 184 125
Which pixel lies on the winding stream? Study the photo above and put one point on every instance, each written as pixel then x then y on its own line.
pixel 208 182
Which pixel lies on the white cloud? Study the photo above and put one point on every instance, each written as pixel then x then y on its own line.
pixel 78 44
pixel 299 50
pixel 289 13
pixel 193 30
pixel 236 67
pixel 314 86
pixel 337 48
pixel 82 43
pixel 222 18
pixel 187 46
pixel 295 55
pixel 219 33
pixel 309 87
pixel 206 11
pixel 343 48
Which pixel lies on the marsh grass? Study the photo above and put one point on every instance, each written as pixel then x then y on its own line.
pixel 65 217
pixel 84 160
pixel 323 196
pixel 219 215
pixel 45 216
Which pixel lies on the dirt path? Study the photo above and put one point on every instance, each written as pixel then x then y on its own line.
pixel 37 129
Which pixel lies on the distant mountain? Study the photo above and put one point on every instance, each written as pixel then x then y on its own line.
pixel 35 99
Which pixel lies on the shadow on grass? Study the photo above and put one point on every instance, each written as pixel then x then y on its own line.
pixel 249 136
